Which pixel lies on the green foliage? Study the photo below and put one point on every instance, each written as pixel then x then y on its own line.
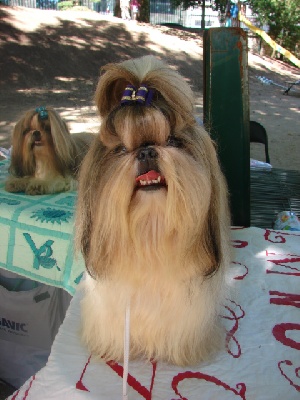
pixel 283 18
pixel 67 4
pixel 217 5
pixel 64 5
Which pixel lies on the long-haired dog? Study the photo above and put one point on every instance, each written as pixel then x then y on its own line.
pixel 152 220
pixel 45 156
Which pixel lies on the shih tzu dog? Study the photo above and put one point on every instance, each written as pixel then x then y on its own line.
pixel 45 156
pixel 152 221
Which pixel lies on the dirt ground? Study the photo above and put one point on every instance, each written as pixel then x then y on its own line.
pixel 53 58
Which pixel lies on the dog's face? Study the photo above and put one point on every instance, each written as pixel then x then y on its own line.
pixel 151 191
pixel 37 139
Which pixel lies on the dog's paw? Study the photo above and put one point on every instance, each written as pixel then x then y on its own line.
pixel 16 185
pixel 57 185
pixel 71 184
pixel 36 188
pixel 62 185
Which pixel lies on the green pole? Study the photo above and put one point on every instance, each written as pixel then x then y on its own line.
pixel 226 112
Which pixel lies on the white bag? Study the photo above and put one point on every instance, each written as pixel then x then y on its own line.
pixel 30 315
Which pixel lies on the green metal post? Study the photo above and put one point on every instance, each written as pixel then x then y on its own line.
pixel 226 112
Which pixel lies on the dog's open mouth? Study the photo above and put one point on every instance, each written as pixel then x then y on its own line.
pixel 150 180
pixel 37 138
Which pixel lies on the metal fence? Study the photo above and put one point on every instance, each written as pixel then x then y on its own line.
pixel 103 6
pixel 43 4
pixel 163 12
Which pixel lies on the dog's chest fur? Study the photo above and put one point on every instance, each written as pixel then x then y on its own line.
pixel 168 318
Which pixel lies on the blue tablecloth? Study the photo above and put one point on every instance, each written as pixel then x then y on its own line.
pixel 36 236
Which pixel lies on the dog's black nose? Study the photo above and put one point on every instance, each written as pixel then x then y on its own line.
pixel 146 154
pixel 36 135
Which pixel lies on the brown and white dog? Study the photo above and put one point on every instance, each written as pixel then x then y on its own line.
pixel 152 221
pixel 45 156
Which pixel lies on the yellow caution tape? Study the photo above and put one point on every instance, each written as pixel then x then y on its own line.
pixel 270 41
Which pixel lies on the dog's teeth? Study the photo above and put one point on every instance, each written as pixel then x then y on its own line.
pixel 144 182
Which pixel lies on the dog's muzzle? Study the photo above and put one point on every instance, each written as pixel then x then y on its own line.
pixel 149 176
pixel 37 138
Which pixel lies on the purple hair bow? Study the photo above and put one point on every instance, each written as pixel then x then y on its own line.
pixel 142 95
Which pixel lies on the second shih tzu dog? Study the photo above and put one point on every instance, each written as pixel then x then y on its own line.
pixel 45 156
pixel 152 221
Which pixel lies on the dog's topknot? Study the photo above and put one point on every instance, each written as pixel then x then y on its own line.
pixel 171 90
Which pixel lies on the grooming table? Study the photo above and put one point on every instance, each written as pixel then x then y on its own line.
pixel 36 235
pixel 261 356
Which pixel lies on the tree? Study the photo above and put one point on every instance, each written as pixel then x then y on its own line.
pixel 214 4
pixel 282 17
pixel 144 10
pixel 217 5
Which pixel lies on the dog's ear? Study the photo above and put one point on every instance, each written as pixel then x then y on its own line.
pixel 111 86
pixel 21 163
pixel 62 140
pixel 16 160
pixel 89 177
pixel 218 220
pixel 216 234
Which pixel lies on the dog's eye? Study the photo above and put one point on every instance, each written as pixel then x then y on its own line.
pixel 26 131
pixel 174 142
pixel 121 149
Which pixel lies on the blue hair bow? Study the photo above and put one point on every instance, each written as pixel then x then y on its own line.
pixel 43 113
pixel 142 95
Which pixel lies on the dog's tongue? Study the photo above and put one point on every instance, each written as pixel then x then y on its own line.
pixel 148 176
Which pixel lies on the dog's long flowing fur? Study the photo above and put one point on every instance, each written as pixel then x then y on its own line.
pixel 45 156
pixel 161 252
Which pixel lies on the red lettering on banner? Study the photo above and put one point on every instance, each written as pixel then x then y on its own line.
pixel 272 253
pixel 15 395
pixel 241 277
pixel 269 233
pixel 279 332
pixel 230 334
pixel 297 370
pixel 79 383
pixel 239 244
pixel 287 269
pixel 285 299
pixel 239 391
pixel 278 237
pixel 27 390
pixel 137 386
